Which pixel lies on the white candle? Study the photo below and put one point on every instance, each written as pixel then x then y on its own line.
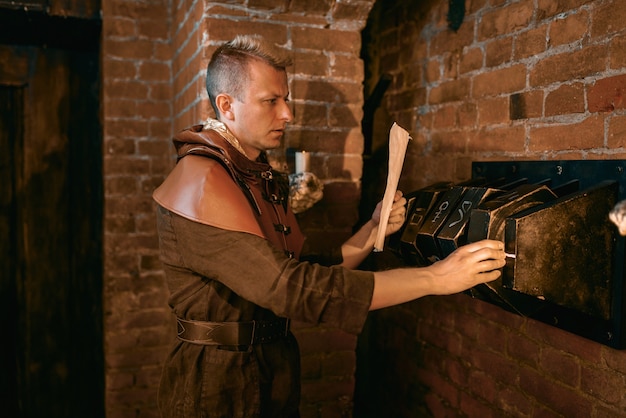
pixel 303 159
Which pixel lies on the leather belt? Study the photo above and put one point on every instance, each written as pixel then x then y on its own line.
pixel 232 333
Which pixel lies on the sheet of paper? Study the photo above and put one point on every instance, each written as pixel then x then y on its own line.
pixel 398 142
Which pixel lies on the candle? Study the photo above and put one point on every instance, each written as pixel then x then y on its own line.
pixel 302 161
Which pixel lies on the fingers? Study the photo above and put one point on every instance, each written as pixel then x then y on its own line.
pixel 486 243
pixel 398 209
pixel 488 276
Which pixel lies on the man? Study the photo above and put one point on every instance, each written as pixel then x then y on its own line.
pixel 231 252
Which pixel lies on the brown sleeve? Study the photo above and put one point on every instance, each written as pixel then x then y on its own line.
pixel 258 272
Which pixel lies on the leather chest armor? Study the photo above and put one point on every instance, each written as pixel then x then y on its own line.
pixel 215 184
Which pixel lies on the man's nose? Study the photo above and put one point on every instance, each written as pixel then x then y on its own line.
pixel 285 112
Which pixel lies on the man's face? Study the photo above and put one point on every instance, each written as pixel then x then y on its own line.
pixel 258 119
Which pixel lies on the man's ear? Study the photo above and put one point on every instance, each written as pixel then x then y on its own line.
pixel 224 104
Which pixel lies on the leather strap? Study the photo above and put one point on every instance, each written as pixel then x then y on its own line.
pixel 232 333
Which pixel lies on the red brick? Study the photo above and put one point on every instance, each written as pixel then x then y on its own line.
pixel 617 52
pixel 265 4
pixel 125 88
pixel 163 91
pixel 569 66
pixel 449 142
pixel 153 109
pixel 603 384
pixel 346 67
pixel 550 8
pixel 323 91
pixel 357 11
pixel 450 91
pixel 523 349
pixel 408 99
pixel 482 385
pixel 433 71
pixel 120 185
pixel 493 111
pixel 514 401
pixel 530 42
pixel 509 139
pixel 135 50
pixel 607 94
pixel 414 76
pixel 450 66
pixel 490 335
pixel 312 7
pixel 607 19
pixel 490 312
pixel 458 372
pixel 326 40
pixel 475 5
pixel 157 148
pixel 526 105
pixel 617 132
pixel 128 128
pixel 346 167
pixel 580 347
pixel 471 60
pixel 445 117
pixel 309 64
pixel 345 116
pixel 390 62
pixel 310 114
pixel 122 108
pixel 498 51
pixel 215 9
pixel 568 98
pixel 562 367
pixel 500 368
pixel 496 82
pixel 443 388
pixel 446 41
pixel 505 20
pixel 121 26
pixel 119 146
pixel 221 30
pixel 468 115
pixel 588 134
pixel 475 408
pixel 569 29
pixel 561 399
pixel 137 10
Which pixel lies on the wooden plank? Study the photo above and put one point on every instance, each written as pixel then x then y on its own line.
pixel 83 9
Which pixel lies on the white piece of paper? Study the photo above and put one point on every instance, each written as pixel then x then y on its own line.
pixel 398 142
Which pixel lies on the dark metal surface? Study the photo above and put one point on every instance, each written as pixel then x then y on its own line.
pixel 563 251
pixel 569 269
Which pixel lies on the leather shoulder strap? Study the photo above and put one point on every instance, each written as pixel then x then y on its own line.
pixel 200 189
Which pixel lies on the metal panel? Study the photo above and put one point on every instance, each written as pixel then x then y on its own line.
pixel 569 269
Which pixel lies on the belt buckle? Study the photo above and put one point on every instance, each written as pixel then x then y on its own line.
pixel 254 323
pixel 287 323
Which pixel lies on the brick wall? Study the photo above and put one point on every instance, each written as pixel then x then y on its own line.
pixel 521 79
pixel 137 111
pixel 154 55
pixel 527 79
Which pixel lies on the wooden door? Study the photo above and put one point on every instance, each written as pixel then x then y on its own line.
pixel 51 233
